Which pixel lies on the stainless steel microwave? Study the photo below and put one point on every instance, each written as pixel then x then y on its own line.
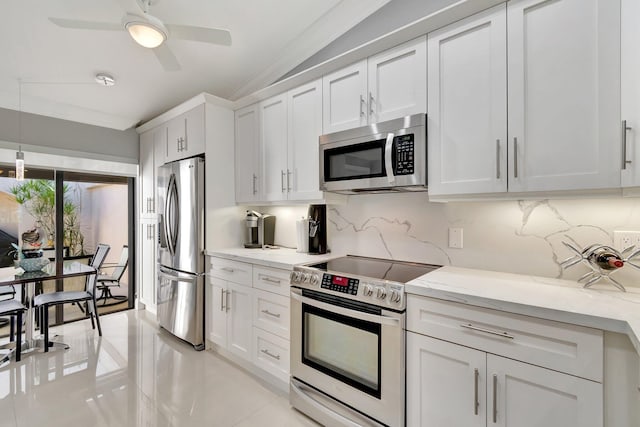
pixel 383 157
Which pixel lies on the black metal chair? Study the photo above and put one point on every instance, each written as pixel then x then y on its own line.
pixel 15 309
pixel 106 281
pixel 43 301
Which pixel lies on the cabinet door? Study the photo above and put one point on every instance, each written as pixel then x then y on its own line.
pixel 239 315
pixel 344 103
pixel 148 275
pixel 304 127
pixel 523 395
pixel 185 135
pixel 217 311
pixel 467 127
pixel 445 384
pixel 630 62
pixel 248 178
pixel 147 172
pixel 564 94
pixel 397 81
pixel 273 140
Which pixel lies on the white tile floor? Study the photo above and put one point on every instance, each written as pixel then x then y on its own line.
pixel 135 375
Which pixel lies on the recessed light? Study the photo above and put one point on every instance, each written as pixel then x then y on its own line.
pixel 105 79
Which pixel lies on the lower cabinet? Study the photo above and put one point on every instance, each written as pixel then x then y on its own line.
pixel 229 315
pixel 148 275
pixel 453 385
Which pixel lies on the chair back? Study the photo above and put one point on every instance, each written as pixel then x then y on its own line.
pixel 119 269
pixel 96 262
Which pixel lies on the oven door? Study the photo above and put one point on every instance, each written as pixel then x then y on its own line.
pixel 352 352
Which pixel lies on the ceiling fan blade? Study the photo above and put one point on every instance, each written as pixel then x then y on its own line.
pixel 86 25
pixel 166 58
pixel 201 34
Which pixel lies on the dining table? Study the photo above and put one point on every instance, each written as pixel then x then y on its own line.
pixel 28 280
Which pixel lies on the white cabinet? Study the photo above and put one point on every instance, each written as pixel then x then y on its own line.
pixel 230 316
pixel 148 239
pixel 452 385
pixel 304 121
pixel 561 74
pixel 248 155
pixel 467 106
pixel 389 85
pixel 472 366
pixel 152 155
pixel 186 134
pixel 273 140
pixel 630 70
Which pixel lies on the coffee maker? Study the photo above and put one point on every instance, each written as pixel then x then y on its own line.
pixel 317 229
pixel 260 229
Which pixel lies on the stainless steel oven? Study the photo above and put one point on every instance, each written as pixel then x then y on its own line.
pixel 382 157
pixel 348 340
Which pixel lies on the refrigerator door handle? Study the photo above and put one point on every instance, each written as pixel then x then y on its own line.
pixel 172 214
pixel 177 275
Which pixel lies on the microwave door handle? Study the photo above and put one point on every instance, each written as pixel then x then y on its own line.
pixel 380 319
pixel 387 158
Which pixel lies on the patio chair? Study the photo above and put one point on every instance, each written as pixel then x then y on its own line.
pixel 15 309
pixel 43 301
pixel 106 281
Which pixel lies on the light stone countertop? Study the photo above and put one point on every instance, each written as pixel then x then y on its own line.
pixel 602 306
pixel 284 258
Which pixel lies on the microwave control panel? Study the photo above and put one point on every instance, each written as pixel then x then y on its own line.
pixel 346 285
pixel 404 164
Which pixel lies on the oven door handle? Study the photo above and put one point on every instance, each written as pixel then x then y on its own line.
pixel 380 319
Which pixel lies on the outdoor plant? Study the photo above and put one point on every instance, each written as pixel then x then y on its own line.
pixel 38 198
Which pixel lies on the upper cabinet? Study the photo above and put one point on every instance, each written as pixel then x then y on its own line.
pixel 388 85
pixel 559 63
pixel 247 155
pixel 273 140
pixel 630 124
pixel 153 145
pixel 186 135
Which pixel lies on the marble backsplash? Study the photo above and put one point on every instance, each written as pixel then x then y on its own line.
pixel 521 236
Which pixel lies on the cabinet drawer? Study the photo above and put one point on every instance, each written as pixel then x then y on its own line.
pixel 271 353
pixel 563 347
pixel 233 271
pixel 271 313
pixel 271 279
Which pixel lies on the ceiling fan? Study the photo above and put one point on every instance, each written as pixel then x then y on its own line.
pixel 150 32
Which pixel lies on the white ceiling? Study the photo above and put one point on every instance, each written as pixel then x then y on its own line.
pixel 57 66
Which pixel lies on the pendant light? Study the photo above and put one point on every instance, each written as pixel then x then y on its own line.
pixel 20 154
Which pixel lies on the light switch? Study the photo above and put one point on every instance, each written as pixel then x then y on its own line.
pixel 455 238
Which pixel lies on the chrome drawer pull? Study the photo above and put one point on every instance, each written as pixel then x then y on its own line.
pixel 268 313
pixel 495 398
pixel 486 331
pixel 270 280
pixel 227 269
pixel 275 356
pixel 476 403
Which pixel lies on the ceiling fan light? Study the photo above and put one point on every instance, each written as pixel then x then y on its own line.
pixel 145 34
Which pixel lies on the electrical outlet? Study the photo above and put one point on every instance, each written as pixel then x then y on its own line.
pixel 623 239
pixel 455 238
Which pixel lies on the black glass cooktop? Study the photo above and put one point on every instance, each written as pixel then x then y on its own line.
pixel 376 268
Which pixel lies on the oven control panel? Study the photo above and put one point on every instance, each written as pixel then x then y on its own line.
pixel 342 284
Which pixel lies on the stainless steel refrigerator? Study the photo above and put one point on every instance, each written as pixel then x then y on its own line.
pixel 180 290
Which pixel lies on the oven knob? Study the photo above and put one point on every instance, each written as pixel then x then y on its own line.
pixel 305 277
pixel 381 292
pixel 368 290
pixel 315 279
pixel 295 277
pixel 395 296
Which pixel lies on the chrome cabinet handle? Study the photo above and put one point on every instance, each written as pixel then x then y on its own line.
pixel 268 313
pixel 361 104
pixel 282 180
pixel 288 180
pixel 625 128
pixel 179 144
pixel 227 269
pixel 371 101
pixel 476 403
pixel 254 183
pixel 497 159
pixel 486 331
pixel 268 353
pixel 222 292
pixel 495 398
pixel 228 306
pixel 270 280
pixel 515 157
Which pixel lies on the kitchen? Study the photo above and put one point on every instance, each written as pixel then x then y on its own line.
pixel 512 234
